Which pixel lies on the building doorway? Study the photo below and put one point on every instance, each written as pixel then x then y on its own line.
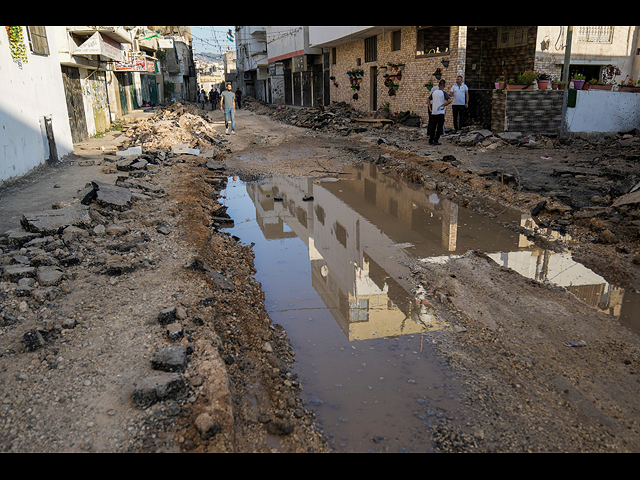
pixel 373 90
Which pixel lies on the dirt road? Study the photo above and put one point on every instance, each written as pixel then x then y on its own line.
pixel 153 294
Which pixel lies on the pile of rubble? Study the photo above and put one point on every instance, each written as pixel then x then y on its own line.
pixel 174 125
pixel 340 117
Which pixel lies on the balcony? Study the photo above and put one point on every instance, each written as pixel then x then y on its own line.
pixel 116 33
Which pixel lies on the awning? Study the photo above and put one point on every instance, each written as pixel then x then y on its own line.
pixel 99 44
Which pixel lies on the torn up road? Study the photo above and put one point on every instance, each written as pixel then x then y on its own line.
pixel 130 323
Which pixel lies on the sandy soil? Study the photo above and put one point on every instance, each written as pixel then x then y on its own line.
pixel 506 336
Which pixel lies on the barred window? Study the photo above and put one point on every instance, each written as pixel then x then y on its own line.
pixel 371 49
pixel 512 36
pixel 594 34
pixel 38 40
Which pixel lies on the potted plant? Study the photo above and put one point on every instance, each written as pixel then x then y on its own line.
pixel 501 81
pixel 557 84
pixel 578 81
pixel 543 81
pixel 609 73
pixel 445 62
pixel 524 81
pixel 630 86
pixel 595 84
pixel 429 85
pixel 438 73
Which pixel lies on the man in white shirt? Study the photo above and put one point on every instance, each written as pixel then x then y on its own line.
pixel 437 109
pixel 460 93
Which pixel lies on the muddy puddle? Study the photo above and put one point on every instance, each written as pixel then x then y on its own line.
pixel 334 258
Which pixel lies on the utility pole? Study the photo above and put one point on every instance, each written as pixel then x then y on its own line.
pixel 565 78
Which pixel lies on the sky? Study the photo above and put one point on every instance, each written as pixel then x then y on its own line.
pixel 211 39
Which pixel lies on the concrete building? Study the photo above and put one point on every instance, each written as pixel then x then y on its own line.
pixel 592 49
pixel 87 58
pixel 251 61
pixel 296 69
pixel 34 123
pixel 230 67
pixel 177 64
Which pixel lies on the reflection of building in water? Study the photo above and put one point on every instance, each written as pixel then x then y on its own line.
pixel 363 232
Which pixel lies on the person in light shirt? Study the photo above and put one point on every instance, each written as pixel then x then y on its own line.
pixel 439 101
pixel 460 93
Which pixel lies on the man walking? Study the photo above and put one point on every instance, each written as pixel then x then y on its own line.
pixel 228 105
pixel 437 109
pixel 460 94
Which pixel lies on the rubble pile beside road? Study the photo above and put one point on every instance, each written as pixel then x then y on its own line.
pixel 339 117
pixel 176 124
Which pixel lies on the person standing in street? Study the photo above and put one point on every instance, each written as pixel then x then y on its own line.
pixel 460 93
pixel 228 105
pixel 212 98
pixel 441 100
pixel 239 97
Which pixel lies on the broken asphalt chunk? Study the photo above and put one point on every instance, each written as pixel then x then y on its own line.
pixel 158 388
pixel 111 196
pixel 170 359
pixel 52 222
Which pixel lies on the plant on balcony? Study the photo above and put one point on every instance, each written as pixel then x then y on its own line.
pixel 16 43
pixel 630 85
pixel 523 81
pixel 609 73
pixel 543 81
pixel 501 81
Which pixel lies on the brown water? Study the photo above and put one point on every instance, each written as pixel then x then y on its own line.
pixel 336 273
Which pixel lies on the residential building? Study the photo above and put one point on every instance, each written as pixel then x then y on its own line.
pixel 230 67
pixel 177 65
pixel 210 74
pixel 390 66
pixel 296 69
pixel 251 50
pixel 87 58
pixel 34 124
pixel 592 49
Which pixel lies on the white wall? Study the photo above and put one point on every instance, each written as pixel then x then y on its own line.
pixel 319 35
pixel 602 111
pixel 29 92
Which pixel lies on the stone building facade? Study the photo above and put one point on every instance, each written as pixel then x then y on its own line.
pixel 399 47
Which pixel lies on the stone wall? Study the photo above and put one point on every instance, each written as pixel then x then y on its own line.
pixel 529 112
pixel 411 96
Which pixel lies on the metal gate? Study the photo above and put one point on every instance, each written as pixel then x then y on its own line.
pixel 123 84
pixel 75 104
pixel 288 87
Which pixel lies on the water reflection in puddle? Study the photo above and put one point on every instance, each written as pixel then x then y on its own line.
pixel 333 259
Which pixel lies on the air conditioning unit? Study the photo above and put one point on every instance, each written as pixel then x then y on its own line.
pixel 246 76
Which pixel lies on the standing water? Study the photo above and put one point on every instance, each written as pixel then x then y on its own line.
pixel 333 259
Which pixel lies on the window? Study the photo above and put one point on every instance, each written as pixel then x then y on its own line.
pixel 396 41
pixel 433 41
pixel 512 36
pixel 38 40
pixel 593 34
pixel 371 49
pixel 334 56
